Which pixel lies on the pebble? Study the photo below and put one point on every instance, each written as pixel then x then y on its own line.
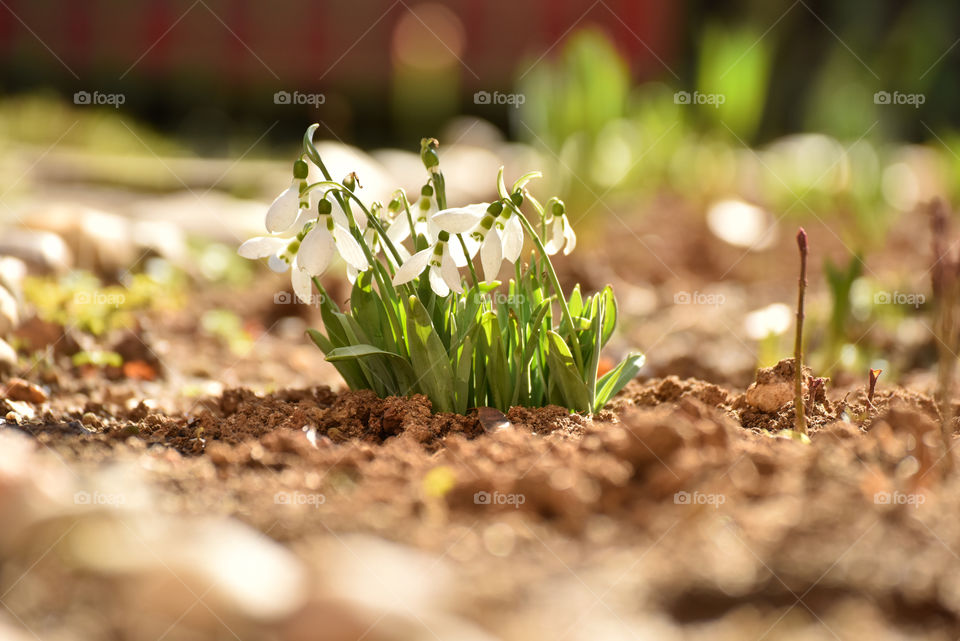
pixel 9 314
pixel 18 389
pixel 42 251
pixel 8 357
pixel 90 420
pixel 99 240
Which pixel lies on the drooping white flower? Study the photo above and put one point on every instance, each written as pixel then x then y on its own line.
pixel 283 211
pixel 422 213
pixel 309 251
pixel 438 260
pixel 478 222
pixel 560 235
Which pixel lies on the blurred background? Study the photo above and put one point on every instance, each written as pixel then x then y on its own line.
pixel 142 140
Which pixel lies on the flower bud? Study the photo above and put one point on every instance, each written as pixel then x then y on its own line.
pixel 517 198
pixel 427 191
pixel 394 205
pixel 350 182
pixel 324 207
pixel 495 208
pixel 443 236
pixel 300 169
pixel 428 154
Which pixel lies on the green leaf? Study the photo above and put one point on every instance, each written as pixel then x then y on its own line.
pixel 564 375
pixel 350 370
pixel 524 179
pixel 615 380
pixel 429 358
pixel 497 366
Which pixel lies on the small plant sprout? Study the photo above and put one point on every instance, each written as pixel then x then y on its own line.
pixel 874 375
pixel 801 421
pixel 945 277
pixel 814 385
pixel 422 319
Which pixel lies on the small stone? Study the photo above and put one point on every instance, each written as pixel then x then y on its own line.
pixel 90 420
pixel 774 386
pixel 8 357
pixel 9 314
pixel 41 250
pixel 493 420
pixel 20 390
pixel 12 417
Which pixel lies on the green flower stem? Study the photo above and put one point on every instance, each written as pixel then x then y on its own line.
pixel 466 254
pixel 555 283
pixel 542 213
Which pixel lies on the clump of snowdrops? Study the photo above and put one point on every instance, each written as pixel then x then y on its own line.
pixel 422 317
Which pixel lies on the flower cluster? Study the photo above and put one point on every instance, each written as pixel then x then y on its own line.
pixel 421 318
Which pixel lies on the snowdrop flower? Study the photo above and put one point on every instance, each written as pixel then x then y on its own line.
pixel 442 273
pixel 560 234
pixel 423 225
pixel 308 252
pixel 328 237
pixel 479 222
pixel 284 209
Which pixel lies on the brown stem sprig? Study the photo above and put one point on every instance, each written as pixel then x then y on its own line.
pixel 945 277
pixel 814 385
pixel 874 375
pixel 801 422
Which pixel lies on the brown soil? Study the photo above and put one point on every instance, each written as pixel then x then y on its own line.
pixel 664 508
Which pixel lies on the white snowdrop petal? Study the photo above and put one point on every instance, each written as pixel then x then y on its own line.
pixel 491 255
pixel 277 264
pixel 262 246
pixel 450 273
pixel 400 229
pixel 570 238
pixel 512 239
pixel 316 251
pixel 412 267
pixel 437 283
pixel 283 211
pixel 302 285
pixel 339 216
pixel 360 218
pixel 457 221
pixel 349 248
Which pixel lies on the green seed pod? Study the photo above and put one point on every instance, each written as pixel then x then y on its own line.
pixel 324 207
pixel 300 169
pixel 394 205
pixel 443 236
pixel 495 208
pixel 517 198
pixel 426 190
